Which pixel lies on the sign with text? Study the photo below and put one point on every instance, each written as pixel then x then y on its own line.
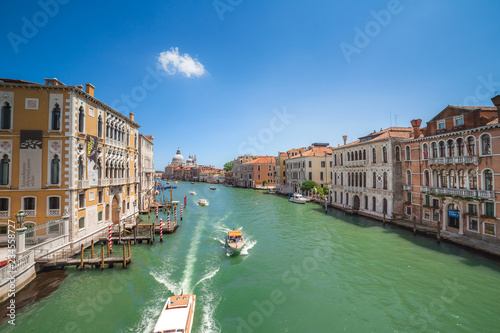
pixel 30 160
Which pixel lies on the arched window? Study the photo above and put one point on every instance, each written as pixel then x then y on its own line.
pixel 374 180
pixel 347 198
pixel 461 179
pixel 471 145
pixel 488 180
pixel 384 207
pixel 348 157
pixel 485 144
pixel 384 154
pixel 341 178
pixel 335 160
pixel 472 180
pixel 408 177
pixel 335 179
pixel 56 118
pixel 99 126
pixel 124 206
pixel 435 178
pixel 4 170
pixel 374 204
pixel 407 153
pixel 356 180
pixel 364 179
pixel 453 179
pixel 425 151
pixel 364 154
pixel 427 178
pixel 434 150
pixel 442 149
pixel 374 155
pixel 356 156
pixel 348 179
pixel 366 202
pixel 385 180
pixel 6 116
pixel 81 169
pixel 451 148
pixel 54 170
pixel 341 158
pixel 460 147
pixel 81 120
pixel 444 179
pixel 107 212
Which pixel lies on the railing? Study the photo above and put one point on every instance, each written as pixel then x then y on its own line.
pixel 454 160
pixel 83 184
pixel 54 212
pixel 464 192
pixel 117 181
pixel 407 187
pixel 354 188
pixel 355 163
pixel 103 182
pixel 4 213
pixel 424 189
pixel 18 267
pixel 30 213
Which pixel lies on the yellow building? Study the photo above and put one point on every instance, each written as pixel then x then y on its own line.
pixel 64 152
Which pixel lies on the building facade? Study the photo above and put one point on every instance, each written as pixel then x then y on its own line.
pixel 313 163
pixel 259 172
pixel 367 174
pixel 147 172
pixel 451 171
pixel 64 152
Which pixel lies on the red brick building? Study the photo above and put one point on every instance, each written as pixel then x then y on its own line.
pixel 258 170
pixel 451 171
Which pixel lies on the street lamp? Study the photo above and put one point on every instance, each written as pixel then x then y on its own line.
pixel 21 216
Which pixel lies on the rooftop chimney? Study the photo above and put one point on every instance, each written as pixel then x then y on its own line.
pixel 80 87
pixel 131 116
pixel 496 101
pixel 53 82
pixel 345 139
pixel 415 123
pixel 89 89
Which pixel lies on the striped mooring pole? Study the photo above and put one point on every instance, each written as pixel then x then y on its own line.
pixel 175 213
pixel 168 221
pixel 161 230
pixel 181 212
pixel 110 243
pixel 157 209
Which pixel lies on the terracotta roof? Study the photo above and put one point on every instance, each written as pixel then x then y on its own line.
pixel 391 132
pixel 262 160
pixel 465 109
pixel 18 81
pixel 493 121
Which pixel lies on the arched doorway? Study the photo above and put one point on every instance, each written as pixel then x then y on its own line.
pixel 453 216
pixel 356 202
pixel 115 215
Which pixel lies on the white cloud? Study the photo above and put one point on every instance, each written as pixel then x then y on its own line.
pixel 172 62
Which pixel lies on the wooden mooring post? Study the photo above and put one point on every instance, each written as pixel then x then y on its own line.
pixel 438 234
pixel 414 225
pixel 135 234
pixel 92 249
pixel 383 222
pixel 128 244
pixel 102 256
pixel 124 256
pixel 81 249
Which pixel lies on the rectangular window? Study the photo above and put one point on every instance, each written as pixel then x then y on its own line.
pixel 99 196
pixel 441 124
pixel 473 225
pixel 408 197
pixel 99 217
pixel 321 175
pixel 427 200
pixel 472 209
pixel 489 228
pixel 427 215
pixel 458 121
pixel 330 164
pixel 489 209
pixel 128 191
pixel 310 175
pixel 29 203
pixel 436 216
pixel 4 205
pixel 81 222
pixel 323 163
pixel 81 200
pixel 269 167
pixel 408 210
pixel 258 167
pixel 435 203
pixel 310 164
pixel 54 203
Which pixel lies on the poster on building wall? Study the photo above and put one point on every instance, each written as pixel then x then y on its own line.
pixel 30 160
pixel 92 173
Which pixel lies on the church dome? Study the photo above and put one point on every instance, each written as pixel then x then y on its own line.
pixel 190 160
pixel 178 159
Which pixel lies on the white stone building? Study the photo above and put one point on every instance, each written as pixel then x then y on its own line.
pixel 147 171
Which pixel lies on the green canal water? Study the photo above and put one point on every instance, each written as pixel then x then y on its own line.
pixel 301 271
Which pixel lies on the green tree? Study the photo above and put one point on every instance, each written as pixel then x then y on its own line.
pixel 308 185
pixel 325 190
pixel 264 182
pixel 228 166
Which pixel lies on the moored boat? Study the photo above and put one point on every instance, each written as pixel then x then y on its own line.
pixel 192 193
pixel 298 198
pixel 235 241
pixel 213 188
pixel 177 314
pixel 192 182
pixel 203 202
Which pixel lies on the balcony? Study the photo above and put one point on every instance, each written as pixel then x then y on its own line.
pixel 407 187
pixel 4 213
pixel 83 184
pixel 54 212
pixel 117 181
pixel 478 194
pixel 454 160
pixel 424 189
pixel 355 163
pixel 357 189
pixel 103 182
pixel 30 212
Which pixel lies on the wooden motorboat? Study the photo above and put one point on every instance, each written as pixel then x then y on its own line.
pixel 177 314
pixel 235 241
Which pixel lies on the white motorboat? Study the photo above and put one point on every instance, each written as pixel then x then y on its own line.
pixel 203 202
pixel 213 188
pixel 235 241
pixel 192 193
pixel 298 198
pixel 177 314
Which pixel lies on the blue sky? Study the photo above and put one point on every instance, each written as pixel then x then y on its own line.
pixel 275 74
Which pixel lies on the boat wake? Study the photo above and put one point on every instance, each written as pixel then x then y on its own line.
pixel 170 285
pixel 148 319
pixel 248 246
pixel 191 259
pixel 207 277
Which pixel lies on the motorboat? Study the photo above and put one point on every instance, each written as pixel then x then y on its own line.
pixel 177 314
pixel 298 198
pixel 192 193
pixel 213 188
pixel 203 202
pixel 234 241
pixel 192 182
